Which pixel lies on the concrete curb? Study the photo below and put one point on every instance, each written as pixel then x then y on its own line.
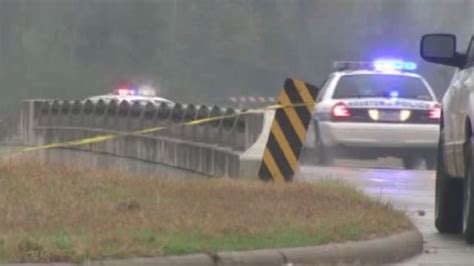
pixel 391 249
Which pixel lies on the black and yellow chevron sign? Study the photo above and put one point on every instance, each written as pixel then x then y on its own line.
pixel 288 131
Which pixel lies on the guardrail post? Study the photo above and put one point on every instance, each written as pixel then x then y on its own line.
pixel 225 134
pixel 190 114
pixel 163 117
pixel 111 116
pixel 84 122
pixel 214 127
pixel 135 116
pixel 97 121
pixel 43 120
pixel 177 116
pixel 201 130
pixel 123 116
pixel 238 134
pixel 148 116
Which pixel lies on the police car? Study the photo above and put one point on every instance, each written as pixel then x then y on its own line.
pixel 142 95
pixel 367 110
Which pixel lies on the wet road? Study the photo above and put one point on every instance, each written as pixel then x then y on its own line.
pixel 412 191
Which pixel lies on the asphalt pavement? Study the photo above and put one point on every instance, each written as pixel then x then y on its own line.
pixel 412 191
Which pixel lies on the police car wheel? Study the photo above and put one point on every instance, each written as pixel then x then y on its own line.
pixel 322 155
pixel 448 197
pixel 468 195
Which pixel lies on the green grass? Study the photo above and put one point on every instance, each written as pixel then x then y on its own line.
pixel 61 213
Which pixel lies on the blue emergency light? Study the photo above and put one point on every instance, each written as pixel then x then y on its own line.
pixel 393 65
pixel 125 91
pixel 135 90
pixel 394 94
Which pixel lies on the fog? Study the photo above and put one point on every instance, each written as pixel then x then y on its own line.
pixel 206 50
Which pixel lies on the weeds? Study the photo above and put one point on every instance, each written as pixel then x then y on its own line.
pixel 52 212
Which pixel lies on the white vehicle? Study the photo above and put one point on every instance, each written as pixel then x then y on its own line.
pixel 368 110
pixel 454 204
pixel 143 97
pixel 131 99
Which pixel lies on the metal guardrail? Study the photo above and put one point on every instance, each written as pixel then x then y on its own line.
pixel 237 133
pixel 211 148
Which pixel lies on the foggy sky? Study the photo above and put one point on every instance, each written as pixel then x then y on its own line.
pixel 204 50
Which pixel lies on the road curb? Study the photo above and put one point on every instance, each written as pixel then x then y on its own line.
pixel 372 252
pixel 391 249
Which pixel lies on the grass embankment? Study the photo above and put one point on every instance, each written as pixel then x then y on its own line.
pixel 57 213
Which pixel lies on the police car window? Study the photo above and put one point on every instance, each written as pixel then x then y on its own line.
pixel 386 86
pixel 324 88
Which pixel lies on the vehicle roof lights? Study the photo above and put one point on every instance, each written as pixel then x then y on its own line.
pixel 393 65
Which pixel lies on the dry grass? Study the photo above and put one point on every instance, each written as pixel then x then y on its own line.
pixel 52 212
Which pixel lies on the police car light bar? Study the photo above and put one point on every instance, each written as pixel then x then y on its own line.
pixel 352 65
pixel 379 65
pixel 391 65
pixel 144 90
pixel 124 91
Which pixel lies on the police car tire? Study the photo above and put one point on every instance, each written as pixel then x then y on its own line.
pixel 322 155
pixel 448 197
pixel 468 199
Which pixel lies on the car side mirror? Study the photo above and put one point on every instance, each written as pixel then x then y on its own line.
pixel 441 49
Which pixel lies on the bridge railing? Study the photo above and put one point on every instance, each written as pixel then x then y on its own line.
pixel 213 148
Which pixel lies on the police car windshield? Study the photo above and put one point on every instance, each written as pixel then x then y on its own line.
pixel 383 86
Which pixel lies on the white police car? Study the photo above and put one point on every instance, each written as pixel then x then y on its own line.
pixel 142 95
pixel 131 99
pixel 376 109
